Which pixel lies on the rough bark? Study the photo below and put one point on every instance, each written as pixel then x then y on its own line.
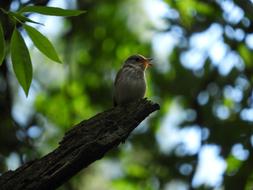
pixel 85 143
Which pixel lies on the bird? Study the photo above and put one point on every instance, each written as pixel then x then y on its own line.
pixel 130 81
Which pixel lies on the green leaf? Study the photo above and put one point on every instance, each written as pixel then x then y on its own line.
pixel 42 43
pixel 22 18
pixel 246 55
pixel 2 45
pixel 21 60
pixel 55 11
pixel 233 164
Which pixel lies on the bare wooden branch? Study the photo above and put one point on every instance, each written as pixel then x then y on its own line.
pixel 83 144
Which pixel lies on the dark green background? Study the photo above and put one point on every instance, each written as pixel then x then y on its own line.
pixel 93 47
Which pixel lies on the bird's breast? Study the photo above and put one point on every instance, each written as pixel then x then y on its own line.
pixel 131 86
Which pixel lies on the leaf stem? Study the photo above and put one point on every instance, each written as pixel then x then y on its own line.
pixel 4 11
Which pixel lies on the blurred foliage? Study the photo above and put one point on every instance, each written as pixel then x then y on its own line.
pixel 93 47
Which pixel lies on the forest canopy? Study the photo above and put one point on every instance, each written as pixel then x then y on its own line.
pixel 202 79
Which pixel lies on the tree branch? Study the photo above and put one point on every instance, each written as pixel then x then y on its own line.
pixel 85 143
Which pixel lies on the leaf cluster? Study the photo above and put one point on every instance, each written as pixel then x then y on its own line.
pixel 20 56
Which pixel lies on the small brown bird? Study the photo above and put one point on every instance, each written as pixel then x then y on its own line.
pixel 130 82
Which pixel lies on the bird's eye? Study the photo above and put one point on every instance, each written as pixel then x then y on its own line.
pixel 137 59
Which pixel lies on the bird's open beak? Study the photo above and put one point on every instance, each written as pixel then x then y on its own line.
pixel 147 62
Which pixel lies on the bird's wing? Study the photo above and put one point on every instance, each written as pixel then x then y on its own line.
pixel 115 83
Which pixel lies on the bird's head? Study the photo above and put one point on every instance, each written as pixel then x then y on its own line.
pixel 138 61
